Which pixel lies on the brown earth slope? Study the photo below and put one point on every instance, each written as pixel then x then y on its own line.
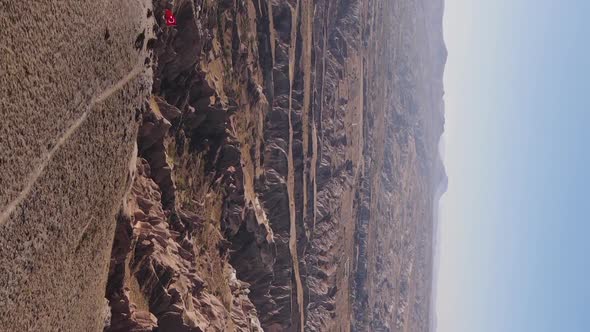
pixel 285 179
pixel 72 80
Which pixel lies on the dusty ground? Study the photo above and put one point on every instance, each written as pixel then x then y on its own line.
pixel 72 78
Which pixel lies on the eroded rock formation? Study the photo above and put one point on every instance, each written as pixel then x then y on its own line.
pixel 296 142
pixel 285 178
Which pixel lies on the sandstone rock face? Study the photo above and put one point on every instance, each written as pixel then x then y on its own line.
pixel 286 177
pixel 156 268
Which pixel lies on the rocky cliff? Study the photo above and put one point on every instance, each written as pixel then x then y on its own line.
pixel 285 176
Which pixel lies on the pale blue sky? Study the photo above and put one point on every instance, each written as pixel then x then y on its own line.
pixel 515 231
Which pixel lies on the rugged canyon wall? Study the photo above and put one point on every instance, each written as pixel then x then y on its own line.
pixel 295 155
pixel 285 176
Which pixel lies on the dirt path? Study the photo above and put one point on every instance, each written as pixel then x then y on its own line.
pixel 306 33
pixel 291 173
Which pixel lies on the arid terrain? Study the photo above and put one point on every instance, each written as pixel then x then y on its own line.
pixel 262 165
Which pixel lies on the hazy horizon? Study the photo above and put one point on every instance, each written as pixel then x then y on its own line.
pixel 513 219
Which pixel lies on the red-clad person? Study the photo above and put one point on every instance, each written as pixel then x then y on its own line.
pixel 170 18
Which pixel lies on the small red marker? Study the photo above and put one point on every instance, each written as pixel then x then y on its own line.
pixel 170 19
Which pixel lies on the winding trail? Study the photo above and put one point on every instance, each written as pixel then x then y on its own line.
pixel 291 174
pixel 38 171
